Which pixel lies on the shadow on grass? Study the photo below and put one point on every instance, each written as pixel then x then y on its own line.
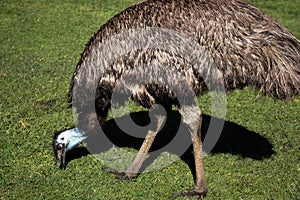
pixel 234 139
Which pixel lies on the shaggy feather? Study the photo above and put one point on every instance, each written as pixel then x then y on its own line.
pixel 245 44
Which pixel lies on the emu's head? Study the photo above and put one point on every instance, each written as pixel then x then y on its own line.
pixel 65 141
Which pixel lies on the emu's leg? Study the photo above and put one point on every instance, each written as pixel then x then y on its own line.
pixel 135 166
pixel 133 169
pixel 191 116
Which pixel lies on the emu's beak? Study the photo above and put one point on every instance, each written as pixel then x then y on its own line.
pixel 60 154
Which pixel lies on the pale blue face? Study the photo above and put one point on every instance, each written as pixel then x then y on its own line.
pixel 66 141
pixel 71 138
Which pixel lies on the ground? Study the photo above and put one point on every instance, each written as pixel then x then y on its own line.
pixel 41 42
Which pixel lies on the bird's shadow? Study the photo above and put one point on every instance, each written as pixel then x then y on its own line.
pixel 233 139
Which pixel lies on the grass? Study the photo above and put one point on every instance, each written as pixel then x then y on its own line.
pixel 41 42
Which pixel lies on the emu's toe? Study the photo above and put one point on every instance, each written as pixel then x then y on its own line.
pixel 120 176
pixel 192 193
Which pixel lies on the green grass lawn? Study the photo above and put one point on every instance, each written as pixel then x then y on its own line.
pixel 41 42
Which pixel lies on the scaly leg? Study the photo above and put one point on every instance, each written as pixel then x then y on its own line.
pixel 192 118
pixel 133 169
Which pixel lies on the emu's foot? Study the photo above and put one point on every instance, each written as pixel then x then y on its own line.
pixel 192 193
pixel 120 175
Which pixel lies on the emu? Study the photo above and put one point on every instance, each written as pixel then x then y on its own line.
pixel 239 46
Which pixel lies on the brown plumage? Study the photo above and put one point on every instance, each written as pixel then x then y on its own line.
pixel 246 45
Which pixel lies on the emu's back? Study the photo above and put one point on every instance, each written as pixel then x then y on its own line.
pixel 247 46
